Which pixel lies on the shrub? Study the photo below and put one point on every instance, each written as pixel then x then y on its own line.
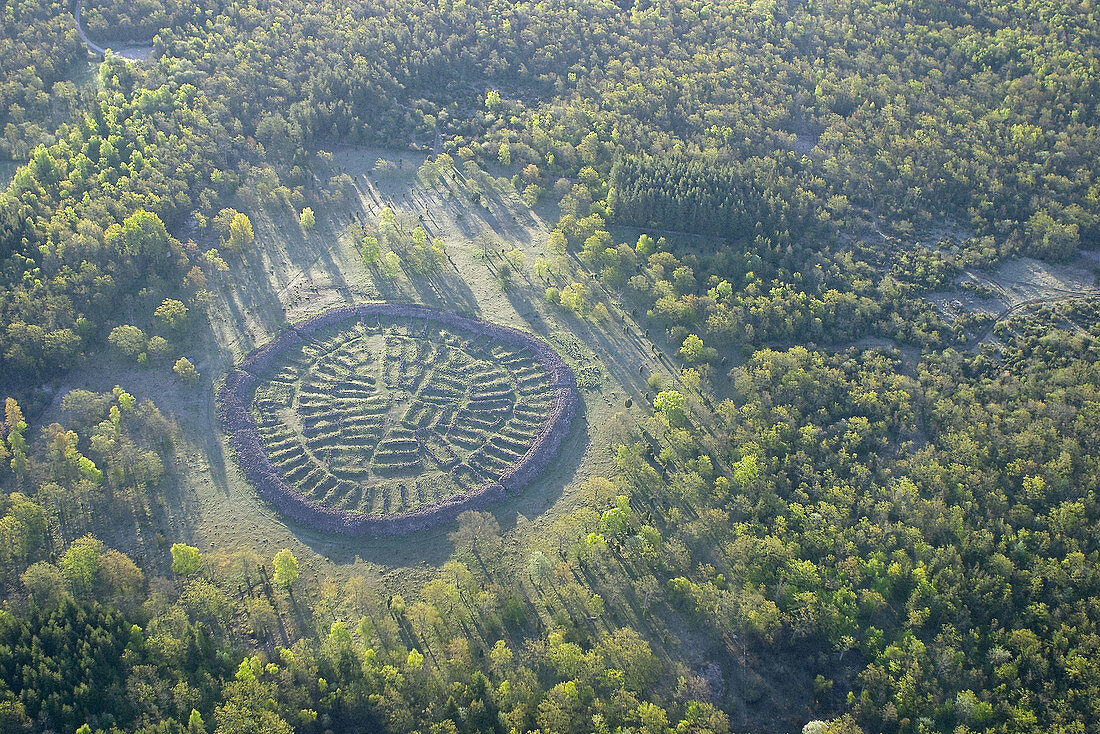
pixel 186 370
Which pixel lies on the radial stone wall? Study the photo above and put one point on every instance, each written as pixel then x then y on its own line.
pixel 383 419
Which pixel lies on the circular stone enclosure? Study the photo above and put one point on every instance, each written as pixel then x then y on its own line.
pixel 382 419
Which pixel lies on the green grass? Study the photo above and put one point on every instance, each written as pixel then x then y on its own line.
pixel 361 408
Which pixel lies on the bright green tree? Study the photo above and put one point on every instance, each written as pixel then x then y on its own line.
pixel 617 519
pixel 171 314
pixel 414 660
pixel 371 251
pixel 195 724
pixel 670 404
pixel 574 297
pixel 240 232
pixel 286 568
pixel 186 370
pixel 80 562
pixel 692 348
pixel 307 218
pixel 129 340
pixel 18 444
pixel 186 559
pixel 746 471
pixel 88 470
pixel 391 265
pixel 142 237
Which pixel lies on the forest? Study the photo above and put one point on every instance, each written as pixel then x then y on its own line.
pixel 824 277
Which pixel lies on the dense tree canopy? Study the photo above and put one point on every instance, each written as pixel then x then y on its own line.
pixel 889 538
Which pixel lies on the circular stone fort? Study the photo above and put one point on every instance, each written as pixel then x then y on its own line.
pixel 382 419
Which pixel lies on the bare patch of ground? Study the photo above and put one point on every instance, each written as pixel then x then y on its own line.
pixel 132 51
pixel 1016 285
pixel 1026 279
pixel 955 303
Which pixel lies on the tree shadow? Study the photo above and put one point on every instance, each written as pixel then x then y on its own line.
pixel 131 520
pixel 517 295
pixel 620 352
pixel 446 290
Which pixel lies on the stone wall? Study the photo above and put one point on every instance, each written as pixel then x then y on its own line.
pixel 235 398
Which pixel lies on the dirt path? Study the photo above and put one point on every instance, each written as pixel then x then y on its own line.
pixel 77 12
pixel 1015 308
pixel 132 53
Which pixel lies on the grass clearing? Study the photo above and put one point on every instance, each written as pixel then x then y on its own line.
pixel 289 275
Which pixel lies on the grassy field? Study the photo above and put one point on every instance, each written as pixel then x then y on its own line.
pixel 290 274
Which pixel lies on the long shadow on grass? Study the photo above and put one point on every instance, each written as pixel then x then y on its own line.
pixel 622 345
pixel 317 249
pixel 446 290
pixel 212 447
pixel 517 296
pixel 134 517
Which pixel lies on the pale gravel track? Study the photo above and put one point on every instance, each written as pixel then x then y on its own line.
pixel 132 54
